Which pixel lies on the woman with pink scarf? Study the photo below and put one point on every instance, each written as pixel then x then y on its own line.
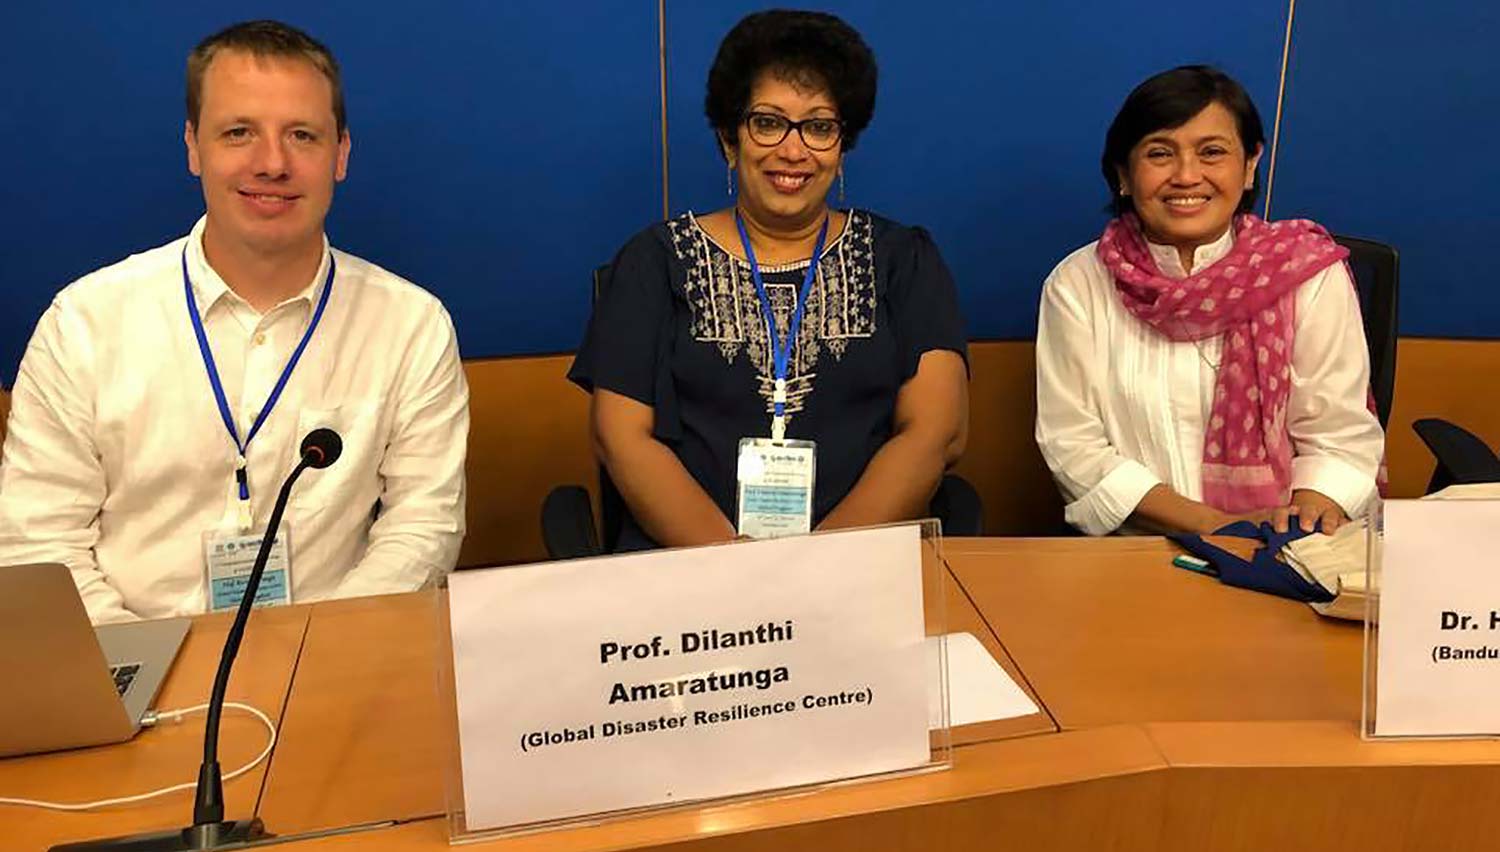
pixel 1198 365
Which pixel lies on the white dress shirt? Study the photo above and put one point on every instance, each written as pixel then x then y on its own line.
pixel 1121 408
pixel 117 460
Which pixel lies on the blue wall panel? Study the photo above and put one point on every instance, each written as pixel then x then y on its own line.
pixel 989 122
pixel 1389 133
pixel 501 150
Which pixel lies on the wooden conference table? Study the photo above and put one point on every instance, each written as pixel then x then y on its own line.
pixel 1179 715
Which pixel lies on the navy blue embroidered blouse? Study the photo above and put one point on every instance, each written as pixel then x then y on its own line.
pixel 680 328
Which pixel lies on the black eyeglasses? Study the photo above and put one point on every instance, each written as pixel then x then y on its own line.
pixel 769 129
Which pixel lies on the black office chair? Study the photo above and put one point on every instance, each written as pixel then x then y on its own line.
pixel 1462 457
pixel 568 520
pixel 1377 279
pixel 568 529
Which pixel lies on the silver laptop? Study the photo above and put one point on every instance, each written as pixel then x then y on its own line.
pixel 70 684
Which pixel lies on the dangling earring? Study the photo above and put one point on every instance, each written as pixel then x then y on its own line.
pixel 841 184
pixel 729 178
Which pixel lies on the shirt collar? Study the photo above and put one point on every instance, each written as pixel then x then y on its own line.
pixel 1204 256
pixel 209 289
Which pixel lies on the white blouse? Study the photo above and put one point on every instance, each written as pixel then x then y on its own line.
pixel 1121 408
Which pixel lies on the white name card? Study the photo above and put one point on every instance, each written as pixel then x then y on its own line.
pixel 599 685
pixel 1439 646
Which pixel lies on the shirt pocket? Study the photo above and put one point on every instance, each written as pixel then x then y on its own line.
pixel 351 485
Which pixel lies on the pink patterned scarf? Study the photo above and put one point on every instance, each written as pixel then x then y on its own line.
pixel 1248 296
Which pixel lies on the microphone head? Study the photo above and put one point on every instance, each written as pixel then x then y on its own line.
pixel 322 447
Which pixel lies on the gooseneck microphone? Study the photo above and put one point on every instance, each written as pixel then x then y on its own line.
pixel 320 449
pixel 209 830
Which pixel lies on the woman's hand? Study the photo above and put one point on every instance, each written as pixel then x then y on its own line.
pixel 1310 508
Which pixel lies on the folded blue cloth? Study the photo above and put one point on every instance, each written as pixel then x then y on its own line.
pixel 1263 572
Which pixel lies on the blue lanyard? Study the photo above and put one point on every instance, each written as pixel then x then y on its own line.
pixel 781 349
pixel 240 474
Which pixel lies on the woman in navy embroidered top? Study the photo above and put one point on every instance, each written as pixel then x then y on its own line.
pixel 678 356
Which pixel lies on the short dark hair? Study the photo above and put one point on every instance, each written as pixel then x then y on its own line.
pixel 1168 100
pixel 807 49
pixel 262 38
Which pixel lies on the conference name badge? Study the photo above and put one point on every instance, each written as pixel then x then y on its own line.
pixel 775 487
pixel 229 557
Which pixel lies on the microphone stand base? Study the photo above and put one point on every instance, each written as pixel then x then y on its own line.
pixel 236 834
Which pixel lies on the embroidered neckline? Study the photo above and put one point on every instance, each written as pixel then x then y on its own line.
pixel 726 314
pixel 778 267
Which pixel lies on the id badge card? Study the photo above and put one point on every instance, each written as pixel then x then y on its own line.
pixel 228 558
pixel 775 488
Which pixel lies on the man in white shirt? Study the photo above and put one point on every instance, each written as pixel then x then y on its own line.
pixel 162 400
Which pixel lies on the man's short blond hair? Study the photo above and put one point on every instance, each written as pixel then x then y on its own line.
pixel 264 39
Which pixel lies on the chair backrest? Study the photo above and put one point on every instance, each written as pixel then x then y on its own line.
pixel 1377 278
pixel 611 505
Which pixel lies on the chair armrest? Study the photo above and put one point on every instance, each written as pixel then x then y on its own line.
pixel 568 523
pixel 958 506
pixel 1462 457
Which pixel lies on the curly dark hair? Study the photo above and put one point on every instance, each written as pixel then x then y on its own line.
pixel 807 49
pixel 1169 100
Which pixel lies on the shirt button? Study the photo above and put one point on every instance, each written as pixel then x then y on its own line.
pixel 260 339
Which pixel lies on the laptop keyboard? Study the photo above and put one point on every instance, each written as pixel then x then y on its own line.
pixel 124 676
